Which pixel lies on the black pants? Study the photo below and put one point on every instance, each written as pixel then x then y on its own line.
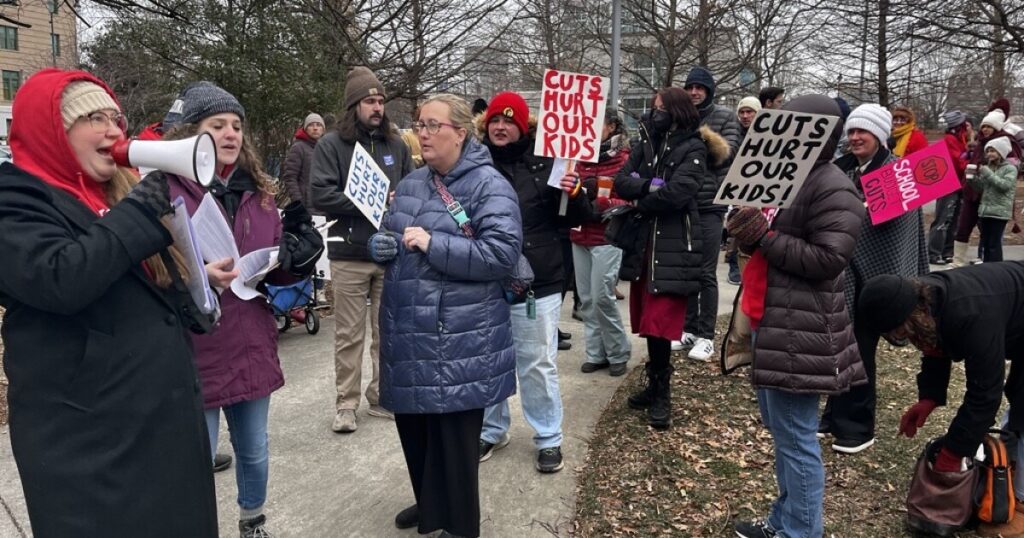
pixel 851 415
pixel 992 238
pixel 569 269
pixel 702 309
pixel 442 452
pixel 943 228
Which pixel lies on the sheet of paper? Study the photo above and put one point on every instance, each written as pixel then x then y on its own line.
pixel 216 241
pixel 185 240
pixel 251 269
pixel 558 170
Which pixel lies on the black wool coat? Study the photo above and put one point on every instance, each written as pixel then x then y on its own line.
pixel 672 249
pixel 979 315
pixel 106 418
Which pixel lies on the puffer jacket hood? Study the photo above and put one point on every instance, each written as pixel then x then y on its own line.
pixel 826 106
pixel 701 75
pixel 446 334
pixel 718 147
pixel 39 143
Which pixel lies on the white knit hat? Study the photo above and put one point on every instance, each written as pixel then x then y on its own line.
pixel 994 119
pixel 749 102
pixel 81 98
pixel 1001 144
pixel 872 118
pixel 312 118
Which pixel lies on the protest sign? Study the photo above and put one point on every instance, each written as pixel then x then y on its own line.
pixel 909 183
pixel 367 186
pixel 775 157
pixel 571 116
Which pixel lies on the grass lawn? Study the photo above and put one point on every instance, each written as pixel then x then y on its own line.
pixel 716 463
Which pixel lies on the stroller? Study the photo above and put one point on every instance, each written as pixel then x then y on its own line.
pixel 297 302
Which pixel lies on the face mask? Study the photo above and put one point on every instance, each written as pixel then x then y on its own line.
pixel 661 121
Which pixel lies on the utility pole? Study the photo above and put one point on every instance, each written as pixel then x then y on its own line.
pixel 613 93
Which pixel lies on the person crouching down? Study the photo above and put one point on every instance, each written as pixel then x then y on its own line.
pixel 803 341
pixel 972 314
pixel 446 349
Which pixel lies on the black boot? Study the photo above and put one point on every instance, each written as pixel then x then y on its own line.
pixel 644 398
pixel 659 414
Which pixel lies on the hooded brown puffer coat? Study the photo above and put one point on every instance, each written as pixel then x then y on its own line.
pixel 805 340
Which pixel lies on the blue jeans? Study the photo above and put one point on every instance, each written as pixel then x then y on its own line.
pixel 247 424
pixel 792 420
pixel 536 344
pixel 597 272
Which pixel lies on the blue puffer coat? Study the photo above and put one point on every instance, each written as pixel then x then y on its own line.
pixel 446 334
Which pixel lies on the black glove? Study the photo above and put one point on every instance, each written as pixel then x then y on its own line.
pixel 300 249
pixel 153 193
pixel 294 216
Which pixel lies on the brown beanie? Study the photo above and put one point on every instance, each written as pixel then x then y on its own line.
pixel 81 98
pixel 361 83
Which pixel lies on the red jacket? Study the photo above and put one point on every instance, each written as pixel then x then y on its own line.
pixel 917 141
pixel 591 233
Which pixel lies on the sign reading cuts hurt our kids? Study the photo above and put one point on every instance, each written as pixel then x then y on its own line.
pixel 909 183
pixel 367 186
pixel 775 158
pixel 571 116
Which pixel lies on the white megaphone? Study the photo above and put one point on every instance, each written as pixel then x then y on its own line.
pixel 194 158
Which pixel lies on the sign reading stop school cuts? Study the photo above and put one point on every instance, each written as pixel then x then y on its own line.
pixel 367 186
pixel 571 116
pixel 909 183
pixel 775 157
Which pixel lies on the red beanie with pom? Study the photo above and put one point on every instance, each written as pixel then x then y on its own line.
pixel 512 106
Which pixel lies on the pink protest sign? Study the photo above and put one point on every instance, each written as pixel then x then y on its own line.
pixel 571 115
pixel 909 183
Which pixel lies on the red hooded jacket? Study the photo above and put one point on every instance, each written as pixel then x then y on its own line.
pixel 39 143
pixel 591 233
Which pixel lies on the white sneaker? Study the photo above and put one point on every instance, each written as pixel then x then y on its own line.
pixel 702 350
pixel 686 343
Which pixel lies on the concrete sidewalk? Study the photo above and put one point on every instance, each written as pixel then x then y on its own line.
pixel 331 485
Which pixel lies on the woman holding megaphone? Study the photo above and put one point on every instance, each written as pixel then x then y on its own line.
pixel 106 420
pixel 238 363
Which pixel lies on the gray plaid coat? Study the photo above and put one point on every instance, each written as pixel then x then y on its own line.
pixel 896 247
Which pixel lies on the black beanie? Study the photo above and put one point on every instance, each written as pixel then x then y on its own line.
pixel 479 106
pixel 886 302
pixel 700 75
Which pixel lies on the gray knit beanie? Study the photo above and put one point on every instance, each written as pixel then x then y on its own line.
pixel 199 101
pixel 312 117
pixel 872 118
pixel 954 119
pixel 360 84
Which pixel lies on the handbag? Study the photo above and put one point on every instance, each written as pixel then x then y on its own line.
pixel 625 227
pixel 517 285
pixel 939 503
pixel 994 496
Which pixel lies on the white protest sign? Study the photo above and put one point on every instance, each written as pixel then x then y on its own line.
pixel 367 186
pixel 775 158
pixel 571 116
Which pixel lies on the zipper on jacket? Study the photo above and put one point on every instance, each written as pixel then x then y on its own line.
pixel 654 247
pixel 689 244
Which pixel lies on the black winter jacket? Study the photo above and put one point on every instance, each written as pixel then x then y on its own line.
pixel 979 314
pixel 672 252
pixel 538 204
pixel 722 120
pixel 346 239
pixel 107 421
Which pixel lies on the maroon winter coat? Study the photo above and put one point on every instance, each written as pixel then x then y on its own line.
pixel 591 233
pixel 238 361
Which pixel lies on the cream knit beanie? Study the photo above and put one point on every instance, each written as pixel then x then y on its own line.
pixel 872 118
pixel 82 98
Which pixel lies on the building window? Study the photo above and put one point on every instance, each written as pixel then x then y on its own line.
pixel 12 81
pixel 8 38
pixel 55 44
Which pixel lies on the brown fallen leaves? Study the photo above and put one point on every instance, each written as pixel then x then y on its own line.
pixel 716 463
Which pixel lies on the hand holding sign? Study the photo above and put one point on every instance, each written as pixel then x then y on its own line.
pixel 367 186
pixel 775 158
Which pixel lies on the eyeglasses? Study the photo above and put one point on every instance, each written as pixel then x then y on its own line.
pixel 432 126
pixel 100 121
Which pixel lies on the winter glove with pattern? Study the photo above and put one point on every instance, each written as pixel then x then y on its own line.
pixel 383 247
pixel 153 193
